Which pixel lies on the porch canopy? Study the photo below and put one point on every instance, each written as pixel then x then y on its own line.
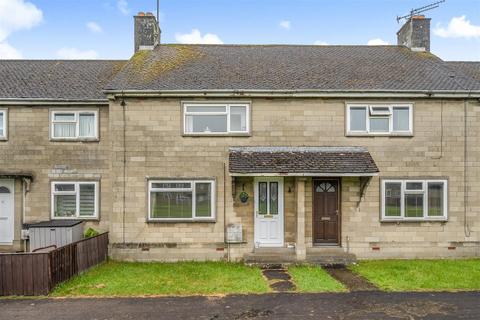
pixel 301 161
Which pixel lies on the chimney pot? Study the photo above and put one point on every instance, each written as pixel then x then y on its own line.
pixel 141 14
pixel 149 14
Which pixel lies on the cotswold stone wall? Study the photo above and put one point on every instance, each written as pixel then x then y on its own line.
pixel 155 147
pixel 29 149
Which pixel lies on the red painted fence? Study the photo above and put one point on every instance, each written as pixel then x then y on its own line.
pixel 34 274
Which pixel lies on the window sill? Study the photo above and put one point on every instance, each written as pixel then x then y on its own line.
pixel 154 221
pixel 85 140
pixel 373 135
pixel 443 220
pixel 3 139
pixel 79 219
pixel 211 135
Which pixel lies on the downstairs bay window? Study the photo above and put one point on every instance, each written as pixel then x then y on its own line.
pixel 74 200
pixel 189 200
pixel 404 200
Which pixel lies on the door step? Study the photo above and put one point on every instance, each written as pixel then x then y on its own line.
pixel 330 256
pixel 271 257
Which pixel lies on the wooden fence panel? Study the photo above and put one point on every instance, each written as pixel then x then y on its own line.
pixel 37 273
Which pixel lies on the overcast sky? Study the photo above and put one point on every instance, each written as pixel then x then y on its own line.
pixel 103 29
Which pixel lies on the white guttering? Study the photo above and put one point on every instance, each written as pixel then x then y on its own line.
pixel 304 174
pixel 112 94
pixel 21 101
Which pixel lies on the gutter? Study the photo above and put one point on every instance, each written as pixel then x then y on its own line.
pixel 303 174
pixel 307 93
pixel 70 102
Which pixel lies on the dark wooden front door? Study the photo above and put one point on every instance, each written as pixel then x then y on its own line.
pixel 326 216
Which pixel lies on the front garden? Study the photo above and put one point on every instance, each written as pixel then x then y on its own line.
pixel 118 279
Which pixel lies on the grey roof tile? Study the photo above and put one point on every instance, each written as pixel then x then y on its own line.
pixel 56 79
pixel 288 67
pixel 301 160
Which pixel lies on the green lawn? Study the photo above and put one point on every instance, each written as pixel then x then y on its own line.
pixel 146 279
pixel 422 275
pixel 314 279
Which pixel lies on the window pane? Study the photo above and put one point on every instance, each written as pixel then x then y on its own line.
pixel 64 130
pixel 87 125
pixel 379 111
pixel 414 205
pixel 64 187
pixel 207 124
pixel 393 196
pixel 401 119
pixel 435 199
pixel 64 116
pixel 414 186
pixel 207 109
pixel 379 124
pixel 65 205
pixel 87 200
pixel 203 199
pixel 1 124
pixel 273 197
pixel 358 119
pixel 171 204
pixel 262 198
pixel 172 185
pixel 238 118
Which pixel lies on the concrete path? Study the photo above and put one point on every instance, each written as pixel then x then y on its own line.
pixel 357 305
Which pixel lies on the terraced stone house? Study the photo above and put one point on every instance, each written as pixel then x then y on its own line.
pixel 254 152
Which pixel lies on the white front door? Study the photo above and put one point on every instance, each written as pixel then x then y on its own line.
pixel 269 217
pixel 6 211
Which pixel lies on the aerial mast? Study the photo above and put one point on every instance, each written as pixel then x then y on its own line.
pixel 417 11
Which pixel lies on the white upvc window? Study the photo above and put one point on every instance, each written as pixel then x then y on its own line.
pixel 74 125
pixel 3 124
pixel 391 119
pixel 217 118
pixel 190 200
pixel 74 200
pixel 404 200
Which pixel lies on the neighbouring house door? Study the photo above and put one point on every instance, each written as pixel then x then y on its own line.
pixel 326 218
pixel 6 211
pixel 269 216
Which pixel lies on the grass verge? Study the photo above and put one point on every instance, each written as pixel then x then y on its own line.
pixel 314 279
pixel 421 275
pixel 115 278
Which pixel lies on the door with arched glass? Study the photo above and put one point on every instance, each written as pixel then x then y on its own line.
pixel 6 212
pixel 326 215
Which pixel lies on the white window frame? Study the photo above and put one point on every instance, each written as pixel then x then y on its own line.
pixel 227 113
pixel 77 194
pixel 5 124
pixel 372 113
pixel 424 191
pixel 192 189
pixel 76 120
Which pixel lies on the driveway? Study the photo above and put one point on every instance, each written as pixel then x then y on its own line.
pixel 358 305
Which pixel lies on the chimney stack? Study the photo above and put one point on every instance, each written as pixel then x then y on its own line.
pixel 147 31
pixel 415 34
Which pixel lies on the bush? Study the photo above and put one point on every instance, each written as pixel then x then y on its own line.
pixel 90 232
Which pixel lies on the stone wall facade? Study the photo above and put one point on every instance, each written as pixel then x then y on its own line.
pixel 156 147
pixel 144 140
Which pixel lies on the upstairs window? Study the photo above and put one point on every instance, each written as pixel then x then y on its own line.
pixel 181 200
pixel 3 124
pixel 74 200
pixel 74 125
pixel 379 119
pixel 211 119
pixel 414 200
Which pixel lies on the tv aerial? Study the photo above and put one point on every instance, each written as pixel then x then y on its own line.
pixel 417 11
